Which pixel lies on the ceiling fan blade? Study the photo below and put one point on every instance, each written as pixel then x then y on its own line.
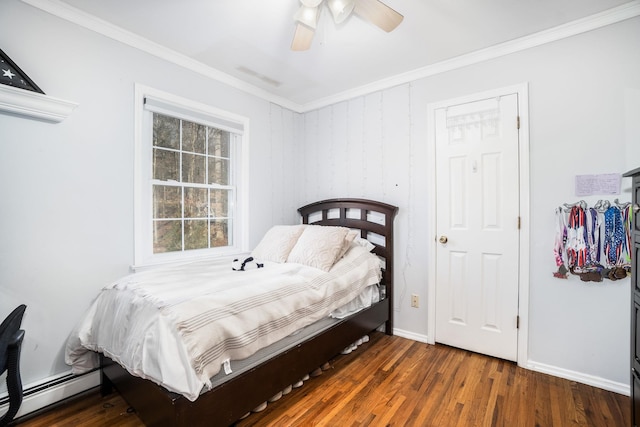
pixel 378 14
pixel 302 37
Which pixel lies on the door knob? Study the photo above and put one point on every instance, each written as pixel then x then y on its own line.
pixel 443 239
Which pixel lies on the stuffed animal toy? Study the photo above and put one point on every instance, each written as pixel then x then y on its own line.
pixel 246 264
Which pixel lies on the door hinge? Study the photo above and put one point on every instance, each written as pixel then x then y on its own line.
pixel 519 223
pixel 518 122
pixel 517 322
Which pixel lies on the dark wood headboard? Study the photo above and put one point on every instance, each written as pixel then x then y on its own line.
pixel 373 219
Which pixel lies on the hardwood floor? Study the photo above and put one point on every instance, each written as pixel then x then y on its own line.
pixel 90 409
pixel 398 382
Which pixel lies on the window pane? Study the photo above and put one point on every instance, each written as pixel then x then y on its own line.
pixel 167 236
pixel 219 143
pixel 193 137
pixel 195 203
pixel 167 202
pixel 166 131
pixel 220 203
pixel 193 168
pixel 195 234
pixel 220 233
pixel 218 171
pixel 192 182
pixel 166 165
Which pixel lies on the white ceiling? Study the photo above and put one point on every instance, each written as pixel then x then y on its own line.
pixel 250 39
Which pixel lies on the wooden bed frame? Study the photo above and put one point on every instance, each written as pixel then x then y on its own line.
pixel 226 403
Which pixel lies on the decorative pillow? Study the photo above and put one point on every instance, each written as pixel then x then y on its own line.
pixel 346 244
pixel 364 243
pixel 319 246
pixel 278 242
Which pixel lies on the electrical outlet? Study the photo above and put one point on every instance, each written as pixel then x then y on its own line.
pixel 415 303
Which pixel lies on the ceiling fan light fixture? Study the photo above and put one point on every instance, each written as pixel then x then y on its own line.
pixel 307 16
pixel 311 3
pixel 341 9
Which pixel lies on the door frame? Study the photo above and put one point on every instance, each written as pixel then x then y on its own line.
pixel 523 248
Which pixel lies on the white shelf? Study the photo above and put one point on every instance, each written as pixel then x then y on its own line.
pixel 34 105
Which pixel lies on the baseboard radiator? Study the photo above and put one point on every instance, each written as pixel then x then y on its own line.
pixel 53 390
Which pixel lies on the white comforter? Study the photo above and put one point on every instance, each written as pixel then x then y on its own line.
pixel 177 325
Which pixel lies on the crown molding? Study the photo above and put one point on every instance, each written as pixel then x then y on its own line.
pixel 34 105
pixel 593 22
pixel 570 29
pixel 100 26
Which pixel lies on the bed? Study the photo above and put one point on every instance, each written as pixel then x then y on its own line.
pixel 245 384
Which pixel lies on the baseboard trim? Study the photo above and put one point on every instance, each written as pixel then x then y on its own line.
pixel 411 335
pixel 53 391
pixel 580 377
pixel 543 368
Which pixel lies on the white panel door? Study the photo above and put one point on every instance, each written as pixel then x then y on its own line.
pixel 477 225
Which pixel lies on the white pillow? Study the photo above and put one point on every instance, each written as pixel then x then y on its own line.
pixel 277 243
pixel 319 246
pixel 346 243
pixel 364 243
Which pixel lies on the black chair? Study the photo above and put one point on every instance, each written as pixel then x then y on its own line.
pixel 11 337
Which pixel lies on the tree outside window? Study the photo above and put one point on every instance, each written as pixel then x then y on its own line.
pixel 193 190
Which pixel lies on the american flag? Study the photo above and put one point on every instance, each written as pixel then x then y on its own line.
pixel 12 75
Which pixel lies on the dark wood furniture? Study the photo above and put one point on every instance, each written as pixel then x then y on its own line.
pixel 11 337
pixel 635 299
pixel 226 403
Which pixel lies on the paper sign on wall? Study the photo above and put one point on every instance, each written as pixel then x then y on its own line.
pixel 589 185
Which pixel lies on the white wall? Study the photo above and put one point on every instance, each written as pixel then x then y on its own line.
pixel 66 216
pixel 67 199
pixel 584 98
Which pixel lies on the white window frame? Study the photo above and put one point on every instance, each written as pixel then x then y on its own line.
pixel 176 106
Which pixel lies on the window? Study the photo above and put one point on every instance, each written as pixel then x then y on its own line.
pixel 189 179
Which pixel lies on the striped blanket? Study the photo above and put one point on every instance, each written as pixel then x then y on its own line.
pixel 177 325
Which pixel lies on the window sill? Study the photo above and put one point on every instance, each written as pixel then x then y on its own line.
pixel 34 105
pixel 135 268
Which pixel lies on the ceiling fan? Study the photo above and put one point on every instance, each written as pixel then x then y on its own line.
pixel 374 11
